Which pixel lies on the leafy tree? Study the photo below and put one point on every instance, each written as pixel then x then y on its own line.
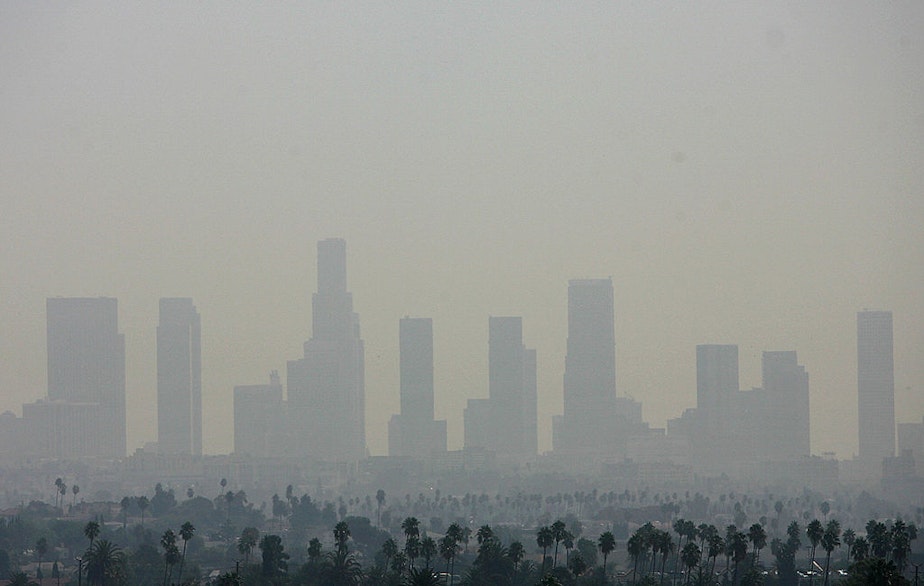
pixel 20 579
pixel 247 541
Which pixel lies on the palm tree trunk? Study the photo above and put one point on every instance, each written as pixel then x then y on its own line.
pixel 827 565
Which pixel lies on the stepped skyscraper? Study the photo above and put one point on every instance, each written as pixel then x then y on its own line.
pixel 326 388
pixel 179 378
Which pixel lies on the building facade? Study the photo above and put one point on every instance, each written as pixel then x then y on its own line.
pixel 179 378
pixel 260 420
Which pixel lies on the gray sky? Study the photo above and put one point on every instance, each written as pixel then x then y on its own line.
pixel 747 173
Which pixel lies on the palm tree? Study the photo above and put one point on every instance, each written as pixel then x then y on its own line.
pixel 850 537
pixel 635 546
pixel 245 543
pixel 665 545
pixel 558 534
pixel 341 569
pixel 124 505
pixel 427 550
pixel 484 533
pixel 186 533
pixel 448 547
pixel 516 552
pixel 607 544
pixel 341 536
pixel 171 553
pixel 75 489
pixel 544 538
pixel 758 538
pixel 104 561
pixel 814 531
pixel 411 528
pixel 690 555
pixel 41 548
pixel 91 531
pixel 830 540
pixel 143 503
pixel 739 551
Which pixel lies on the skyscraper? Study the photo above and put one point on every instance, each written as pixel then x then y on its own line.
pixel 179 378
pixel 786 411
pixel 413 432
pixel 86 365
pixel 589 422
pixel 875 385
pixel 716 373
pixel 326 388
pixel 506 422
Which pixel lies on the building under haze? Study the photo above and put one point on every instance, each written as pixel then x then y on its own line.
pixel 875 386
pixel 86 376
pixel 326 387
pixel 506 422
pixel 260 419
pixel 590 422
pixel 414 433
pixel 742 432
pixel 179 378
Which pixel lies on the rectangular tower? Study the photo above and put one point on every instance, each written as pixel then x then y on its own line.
pixel 588 423
pixel 875 385
pixel 259 419
pixel 786 390
pixel 179 378
pixel 414 433
pixel 716 374
pixel 86 365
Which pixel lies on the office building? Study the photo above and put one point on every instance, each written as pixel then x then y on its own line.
pixel 875 386
pixel 259 419
pixel 179 378
pixel 86 365
pixel 326 387
pixel 716 373
pixel 414 433
pixel 506 422
pixel 590 423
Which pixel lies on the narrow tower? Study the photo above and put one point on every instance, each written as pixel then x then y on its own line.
pixel 179 378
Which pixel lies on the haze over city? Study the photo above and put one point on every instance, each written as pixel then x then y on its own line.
pixel 745 174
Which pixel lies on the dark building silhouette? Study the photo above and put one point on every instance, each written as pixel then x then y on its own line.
pixel 591 422
pixel 414 433
pixel 179 378
pixel 86 377
pixel 326 388
pixel 259 419
pixel 506 422
pixel 875 386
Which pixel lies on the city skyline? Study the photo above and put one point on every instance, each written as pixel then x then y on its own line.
pixel 747 174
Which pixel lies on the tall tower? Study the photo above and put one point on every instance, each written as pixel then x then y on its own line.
pixel 875 385
pixel 86 366
pixel 326 388
pixel 414 433
pixel 179 378
pixel 786 390
pixel 588 423
pixel 506 422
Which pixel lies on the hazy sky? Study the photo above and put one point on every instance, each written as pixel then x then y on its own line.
pixel 747 173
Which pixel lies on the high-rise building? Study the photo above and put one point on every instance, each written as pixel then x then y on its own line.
pixel 716 373
pixel 414 433
pixel 179 378
pixel 326 388
pixel 875 386
pixel 786 407
pixel 86 365
pixel 589 423
pixel 506 422
pixel 259 419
